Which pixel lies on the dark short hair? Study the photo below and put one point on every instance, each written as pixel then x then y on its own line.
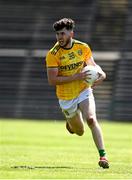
pixel 67 23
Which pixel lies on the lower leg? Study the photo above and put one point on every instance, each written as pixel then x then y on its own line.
pixel 98 139
pixel 97 136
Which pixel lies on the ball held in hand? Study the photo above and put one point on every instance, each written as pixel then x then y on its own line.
pixel 92 74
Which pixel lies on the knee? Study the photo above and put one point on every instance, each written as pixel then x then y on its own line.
pixel 79 132
pixel 91 122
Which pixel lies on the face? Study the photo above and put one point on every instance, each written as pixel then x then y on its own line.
pixel 64 37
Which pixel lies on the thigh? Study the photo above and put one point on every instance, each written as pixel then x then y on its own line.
pixel 76 122
pixel 69 107
pixel 88 108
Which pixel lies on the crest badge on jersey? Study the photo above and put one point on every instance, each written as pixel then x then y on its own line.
pixel 79 52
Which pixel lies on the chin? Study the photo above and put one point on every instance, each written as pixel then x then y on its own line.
pixel 61 45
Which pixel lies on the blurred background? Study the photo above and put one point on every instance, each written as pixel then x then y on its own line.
pixel 26 34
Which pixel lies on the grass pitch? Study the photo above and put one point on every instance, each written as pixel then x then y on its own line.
pixel 45 150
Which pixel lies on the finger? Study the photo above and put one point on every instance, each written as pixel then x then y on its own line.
pixel 87 71
pixel 88 77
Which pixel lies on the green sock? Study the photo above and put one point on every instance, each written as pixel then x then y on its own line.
pixel 102 152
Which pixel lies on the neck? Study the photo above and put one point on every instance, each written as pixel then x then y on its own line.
pixel 69 45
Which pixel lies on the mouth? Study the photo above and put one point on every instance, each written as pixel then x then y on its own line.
pixel 61 41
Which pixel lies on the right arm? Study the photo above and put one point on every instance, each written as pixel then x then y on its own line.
pixel 54 79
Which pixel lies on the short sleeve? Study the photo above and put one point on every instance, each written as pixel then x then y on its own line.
pixel 88 52
pixel 51 60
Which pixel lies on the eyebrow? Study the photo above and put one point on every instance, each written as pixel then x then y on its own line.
pixel 60 31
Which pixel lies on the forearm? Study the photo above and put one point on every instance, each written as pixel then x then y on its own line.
pixel 63 79
pixel 54 79
pixel 102 74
